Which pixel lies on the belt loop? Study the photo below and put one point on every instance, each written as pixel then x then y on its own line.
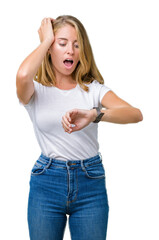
pixel 82 166
pixel 100 155
pixel 49 163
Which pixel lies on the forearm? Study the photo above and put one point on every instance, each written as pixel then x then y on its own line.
pixel 30 65
pixel 120 115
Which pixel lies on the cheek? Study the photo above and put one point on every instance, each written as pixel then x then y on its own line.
pixel 77 55
pixel 56 57
pixel 57 52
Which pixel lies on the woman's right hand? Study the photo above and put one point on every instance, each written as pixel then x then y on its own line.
pixel 45 31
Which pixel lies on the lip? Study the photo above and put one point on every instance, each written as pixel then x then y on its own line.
pixel 69 67
pixel 68 58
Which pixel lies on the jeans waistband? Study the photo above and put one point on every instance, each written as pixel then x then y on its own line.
pixel 73 163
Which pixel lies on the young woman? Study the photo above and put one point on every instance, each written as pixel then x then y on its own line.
pixel 63 91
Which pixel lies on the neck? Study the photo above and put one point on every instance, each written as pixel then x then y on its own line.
pixel 64 80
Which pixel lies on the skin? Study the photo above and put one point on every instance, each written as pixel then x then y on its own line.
pixel 62 49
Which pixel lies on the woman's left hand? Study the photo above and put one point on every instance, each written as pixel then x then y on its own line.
pixel 78 117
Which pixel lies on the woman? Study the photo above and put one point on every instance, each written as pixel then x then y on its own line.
pixel 64 102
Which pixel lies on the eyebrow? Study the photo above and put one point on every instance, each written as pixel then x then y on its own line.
pixel 66 39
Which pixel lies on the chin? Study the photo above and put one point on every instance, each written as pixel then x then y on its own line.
pixel 68 72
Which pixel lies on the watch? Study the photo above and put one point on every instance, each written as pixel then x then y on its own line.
pixel 99 114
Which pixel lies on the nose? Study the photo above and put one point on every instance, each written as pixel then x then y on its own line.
pixel 70 49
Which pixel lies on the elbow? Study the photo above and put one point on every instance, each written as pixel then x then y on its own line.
pixel 138 116
pixel 21 77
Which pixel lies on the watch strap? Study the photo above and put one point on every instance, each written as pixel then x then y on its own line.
pixel 99 115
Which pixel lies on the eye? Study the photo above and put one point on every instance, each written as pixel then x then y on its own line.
pixel 62 44
pixel 76 46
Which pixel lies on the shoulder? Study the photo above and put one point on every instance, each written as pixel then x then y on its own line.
pixel 37 84
pixel 95 85
pixel 39 87
pixel 99 89
pixel 95 82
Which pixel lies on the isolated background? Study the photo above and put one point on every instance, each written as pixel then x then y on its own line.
pixel 125 40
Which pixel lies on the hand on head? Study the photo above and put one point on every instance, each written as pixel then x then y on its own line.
pixel 46 31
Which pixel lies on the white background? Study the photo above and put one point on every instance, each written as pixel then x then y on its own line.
pixel 125 40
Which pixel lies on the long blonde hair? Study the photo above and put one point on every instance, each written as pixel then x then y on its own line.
pixel 86 70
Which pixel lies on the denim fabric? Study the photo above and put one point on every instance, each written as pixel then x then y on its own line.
pixel 76 188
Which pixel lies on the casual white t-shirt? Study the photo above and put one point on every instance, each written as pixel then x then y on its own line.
pixel 46 108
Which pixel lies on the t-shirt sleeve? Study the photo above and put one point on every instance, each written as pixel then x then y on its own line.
pixel 100 91
pixel 103 90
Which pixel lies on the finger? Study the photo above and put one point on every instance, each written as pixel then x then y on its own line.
pixel 71 114
pixel 66 124
pixel 52 19
pixel 66 127
pixel 66 121
pixel 44 20
pixel 68 116
pixel 75 128
pixel 66 130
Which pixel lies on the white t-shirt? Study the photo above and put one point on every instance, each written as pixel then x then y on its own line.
pixel 46 108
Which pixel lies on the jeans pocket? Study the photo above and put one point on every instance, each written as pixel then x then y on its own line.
pixel 40 167
pixel 95 170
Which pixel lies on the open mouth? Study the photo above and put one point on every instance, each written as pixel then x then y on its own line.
pixel 68 63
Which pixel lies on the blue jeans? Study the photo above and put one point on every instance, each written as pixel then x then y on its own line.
pixel 76 188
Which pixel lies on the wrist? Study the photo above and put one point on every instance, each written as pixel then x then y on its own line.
pixel 47 42
pixel 99 115
pixel 93 114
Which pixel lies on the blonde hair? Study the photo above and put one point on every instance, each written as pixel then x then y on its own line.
pixel 86 70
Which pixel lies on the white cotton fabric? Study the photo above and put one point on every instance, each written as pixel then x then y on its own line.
pixel 46 108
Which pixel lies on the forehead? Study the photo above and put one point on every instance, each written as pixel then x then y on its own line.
pixel 66 31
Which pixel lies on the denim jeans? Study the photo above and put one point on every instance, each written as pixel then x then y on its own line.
pixel 76 188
